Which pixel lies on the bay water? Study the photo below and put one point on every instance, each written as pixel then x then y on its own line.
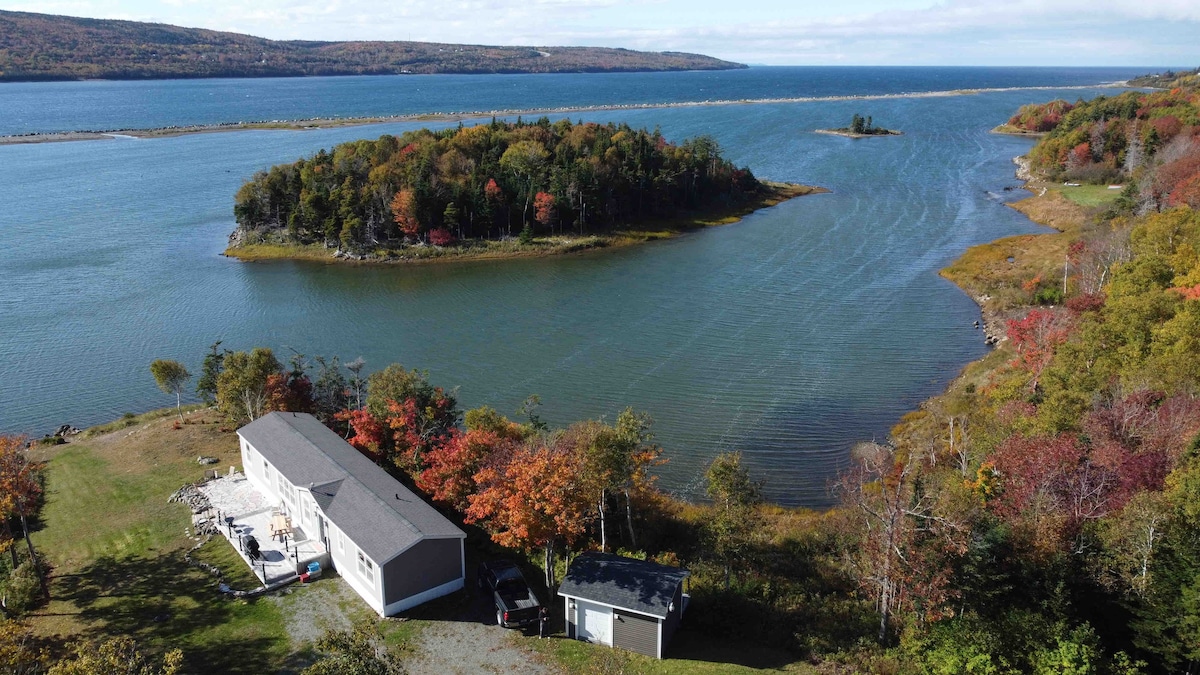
pixel 789 336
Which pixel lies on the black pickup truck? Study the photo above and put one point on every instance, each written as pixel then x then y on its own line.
pixel 516 605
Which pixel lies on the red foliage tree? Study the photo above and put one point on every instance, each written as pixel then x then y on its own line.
pixel 20 492
pixel 1036 337
pixel 1050 486
pixel 492 191
pixel 367 432
pixel 544 209
pixel 449 476
pixel 420 426
pixel 1186 192
pixel 1167 127
pixel 289 392
pixel 1081 155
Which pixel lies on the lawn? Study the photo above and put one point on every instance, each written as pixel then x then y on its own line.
pixel 689 652
pixel 1090 196
pixel 117 548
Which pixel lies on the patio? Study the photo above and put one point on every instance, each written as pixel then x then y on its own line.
pixel 241 511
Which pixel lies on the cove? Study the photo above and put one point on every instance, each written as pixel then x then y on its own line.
pixel 790 335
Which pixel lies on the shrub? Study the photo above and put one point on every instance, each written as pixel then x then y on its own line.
pixel 1048 296
pixel 22 590
pixel 441 237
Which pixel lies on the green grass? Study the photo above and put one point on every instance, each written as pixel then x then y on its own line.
pixel 117 548
pixel 1090 196
pixel 689 652
pixel 219 552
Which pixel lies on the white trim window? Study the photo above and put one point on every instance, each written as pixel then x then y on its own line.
pixel 366 568
pixel 341 542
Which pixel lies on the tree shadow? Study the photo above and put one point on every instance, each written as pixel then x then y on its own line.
pixel 163 604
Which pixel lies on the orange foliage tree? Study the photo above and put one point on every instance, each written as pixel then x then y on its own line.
pixel 535 500
pixel 404 212
pixel 20 491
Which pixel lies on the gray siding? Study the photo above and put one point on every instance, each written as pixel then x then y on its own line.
pixel 635 632
pixel 427 565
pixel 671 623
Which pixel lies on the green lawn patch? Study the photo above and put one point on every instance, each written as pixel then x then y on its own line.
pixel 1090 196
pixel 117 548
pixel 689 652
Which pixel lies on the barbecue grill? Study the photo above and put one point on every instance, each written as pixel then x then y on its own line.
pixel 251 545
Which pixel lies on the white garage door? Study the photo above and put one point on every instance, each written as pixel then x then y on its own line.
pixel 595 622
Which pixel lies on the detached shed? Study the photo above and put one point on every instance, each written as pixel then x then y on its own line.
pixel 623 602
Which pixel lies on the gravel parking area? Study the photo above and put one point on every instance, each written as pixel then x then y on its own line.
pixel 465 643
pixel 473 643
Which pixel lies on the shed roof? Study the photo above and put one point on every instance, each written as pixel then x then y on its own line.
pixel 377 512
pixel 625 583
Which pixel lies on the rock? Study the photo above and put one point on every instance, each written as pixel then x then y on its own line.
pixel 66 430
pixel 206 460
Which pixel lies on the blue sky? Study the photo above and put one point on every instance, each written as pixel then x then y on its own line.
pixel 776 32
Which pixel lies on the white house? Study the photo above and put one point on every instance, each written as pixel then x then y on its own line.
pixel 389 545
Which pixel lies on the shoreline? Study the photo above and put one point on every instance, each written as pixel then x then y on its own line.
pixel 459 116
pixel 1010 130
pixel 776 193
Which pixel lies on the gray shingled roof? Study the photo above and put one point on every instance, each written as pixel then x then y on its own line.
pixel 626 583
pixel 375 511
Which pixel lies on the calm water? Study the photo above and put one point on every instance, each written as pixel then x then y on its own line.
pixel 790 335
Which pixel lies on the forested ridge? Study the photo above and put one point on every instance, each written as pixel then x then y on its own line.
pixel 486 182
pixel 49 47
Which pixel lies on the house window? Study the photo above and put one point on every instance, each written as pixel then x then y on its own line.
pixel 341 542
pixel 366 569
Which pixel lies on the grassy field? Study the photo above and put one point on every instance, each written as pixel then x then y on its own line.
pixel 1089 196
pixel 117 547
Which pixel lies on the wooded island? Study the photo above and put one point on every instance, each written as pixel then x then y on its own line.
pixel 861 127
pixel 492 190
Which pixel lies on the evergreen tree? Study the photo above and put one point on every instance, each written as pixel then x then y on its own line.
pixel 214 363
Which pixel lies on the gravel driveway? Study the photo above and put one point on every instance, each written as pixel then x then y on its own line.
pixel 466 643
pixel 473 643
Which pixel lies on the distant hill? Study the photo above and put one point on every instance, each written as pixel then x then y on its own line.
pixel 47 47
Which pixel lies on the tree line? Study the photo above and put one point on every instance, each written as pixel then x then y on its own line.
pixel 46 47
pixel 558 491
pixel 486 182
pixel 1149 141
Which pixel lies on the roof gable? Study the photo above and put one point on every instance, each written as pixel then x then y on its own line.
pixel 626 583
pixel 379 514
